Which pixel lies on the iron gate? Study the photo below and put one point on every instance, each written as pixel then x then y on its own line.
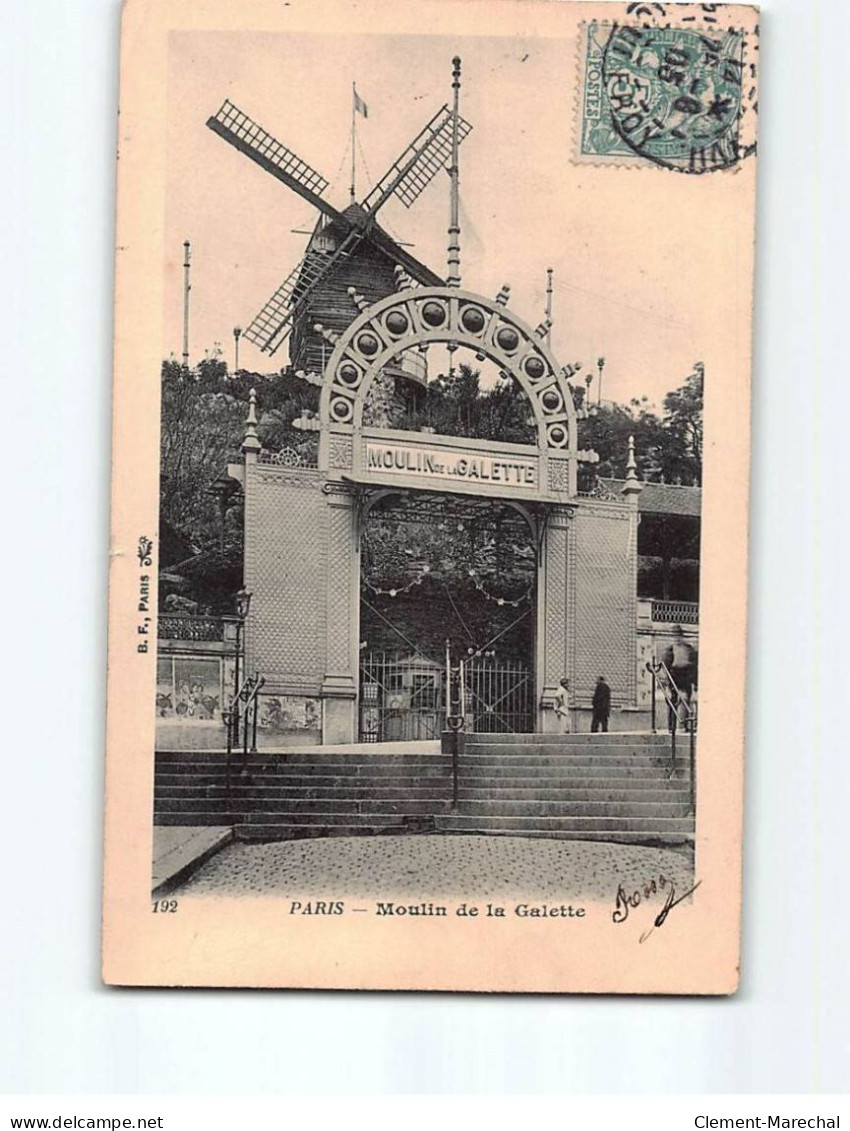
pixel 498 696
pixel 403 696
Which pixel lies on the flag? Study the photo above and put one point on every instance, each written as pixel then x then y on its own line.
pixel 359 105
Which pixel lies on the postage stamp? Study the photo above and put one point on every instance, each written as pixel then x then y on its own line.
pixel 678 96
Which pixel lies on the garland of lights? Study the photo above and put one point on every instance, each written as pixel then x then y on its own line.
pixel 425 571
pixel 397 590
pixel 400 590
pixel 514 604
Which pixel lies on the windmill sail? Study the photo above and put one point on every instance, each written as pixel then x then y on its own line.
pixel 251 139
pixel 419 164
pixel 271 326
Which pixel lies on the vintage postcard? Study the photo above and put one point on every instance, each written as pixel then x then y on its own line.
pixel 429 532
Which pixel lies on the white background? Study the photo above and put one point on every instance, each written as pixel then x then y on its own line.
pixel 62 1032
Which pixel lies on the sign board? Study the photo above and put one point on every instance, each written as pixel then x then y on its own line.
pixel 468 466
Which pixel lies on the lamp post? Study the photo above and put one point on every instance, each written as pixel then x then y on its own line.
pixel 588 407
pixel 237 334
pixel 243 604
pixel 221 490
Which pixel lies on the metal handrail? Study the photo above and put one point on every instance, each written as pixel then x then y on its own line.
pixel 248 694
pixel 233 712
pixel 662 677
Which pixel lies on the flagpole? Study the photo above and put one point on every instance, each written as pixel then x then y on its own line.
pixel 353 138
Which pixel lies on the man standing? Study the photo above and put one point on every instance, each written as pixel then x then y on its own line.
pixel 601 706
pixel 680 659
pixel 562 705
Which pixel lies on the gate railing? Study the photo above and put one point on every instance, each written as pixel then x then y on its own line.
pixel 497 697
pixel 402 697
pixel 240 718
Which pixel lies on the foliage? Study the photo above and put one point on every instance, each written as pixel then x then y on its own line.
pixel 668 448
pixel 454 404
pixel 683 424
pixel 203 413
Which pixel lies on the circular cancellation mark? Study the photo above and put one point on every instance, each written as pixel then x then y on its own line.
pixel 675 95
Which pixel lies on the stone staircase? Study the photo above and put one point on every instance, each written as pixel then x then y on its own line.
pixel 610 787
pixel 277 796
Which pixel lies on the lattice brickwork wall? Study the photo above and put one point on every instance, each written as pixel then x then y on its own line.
pixel 285 561
pixel 340 614
pixel 604 567
pixel 555 618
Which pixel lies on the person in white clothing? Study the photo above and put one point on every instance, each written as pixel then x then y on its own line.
pixel 562 705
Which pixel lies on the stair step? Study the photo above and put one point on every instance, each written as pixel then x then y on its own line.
pixel 300 780
pixel 487 775
pixel 611 738
pixel 239 806
pixel 306 832
pixel 464 823
pixel 619 758
pixel 282 790
pixel 300 769
pixel 532 791
pixel 468 770
pixel 599 795
pixel 344 762
pixel 383 820
pixel 608 836
pixel 612 809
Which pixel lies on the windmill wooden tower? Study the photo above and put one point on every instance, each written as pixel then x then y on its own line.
pixel 347 248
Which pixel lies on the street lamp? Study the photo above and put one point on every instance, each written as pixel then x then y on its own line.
pixel 237 334
pixel 243 604
pixel 589 409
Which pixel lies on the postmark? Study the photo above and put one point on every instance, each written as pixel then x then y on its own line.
pixel 674 95
pixel 679 96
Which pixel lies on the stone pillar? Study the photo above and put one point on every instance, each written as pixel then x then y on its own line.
pixel 339 686
pixel 552 616
pixel 631 493
pixel 251 448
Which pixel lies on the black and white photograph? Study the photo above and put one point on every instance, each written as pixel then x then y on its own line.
pixel 428 598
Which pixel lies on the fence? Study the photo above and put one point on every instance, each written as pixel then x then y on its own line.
pixel 498 697
pixel 675 612
pixel 403 697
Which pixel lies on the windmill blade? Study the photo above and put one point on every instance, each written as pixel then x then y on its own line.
pixel 429 152
pixel 272 325
pixel 252 140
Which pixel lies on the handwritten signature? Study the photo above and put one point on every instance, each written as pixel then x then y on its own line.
pixel 628 901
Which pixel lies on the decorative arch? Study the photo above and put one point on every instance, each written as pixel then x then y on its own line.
pixel 417 317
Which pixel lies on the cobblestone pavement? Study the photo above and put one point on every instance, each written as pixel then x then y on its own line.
pixel 452 866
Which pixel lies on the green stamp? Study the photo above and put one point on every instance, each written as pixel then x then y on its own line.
pixel 669 96
pixel 598 136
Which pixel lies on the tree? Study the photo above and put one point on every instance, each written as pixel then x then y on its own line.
pixel 454 404
pixel 203 413
pixel 683 430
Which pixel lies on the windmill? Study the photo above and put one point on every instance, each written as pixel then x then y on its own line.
pixel 316 290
